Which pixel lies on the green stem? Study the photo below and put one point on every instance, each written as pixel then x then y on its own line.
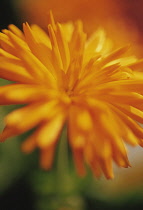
pixel 63 176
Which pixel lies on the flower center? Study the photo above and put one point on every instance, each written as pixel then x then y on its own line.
pixel 69 92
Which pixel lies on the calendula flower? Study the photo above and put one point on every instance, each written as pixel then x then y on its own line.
pixel 65 78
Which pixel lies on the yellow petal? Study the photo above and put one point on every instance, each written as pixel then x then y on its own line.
pixel 41 51
pixel 41 36
pixel 16 31
pixel 23 94
pixel 63 47
pixel 25 118
pixel 13 70
pixel 45 135
pixel 7 45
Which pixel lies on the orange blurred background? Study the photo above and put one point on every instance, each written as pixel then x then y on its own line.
pixel 121 19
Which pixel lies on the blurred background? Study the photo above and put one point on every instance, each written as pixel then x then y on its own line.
pixel 23 185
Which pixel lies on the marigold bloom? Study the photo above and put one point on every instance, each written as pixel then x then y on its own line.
pixel 65 78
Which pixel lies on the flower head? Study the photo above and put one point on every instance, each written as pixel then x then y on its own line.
pixel 65 78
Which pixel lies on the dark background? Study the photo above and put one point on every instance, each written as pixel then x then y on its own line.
pixel 7 14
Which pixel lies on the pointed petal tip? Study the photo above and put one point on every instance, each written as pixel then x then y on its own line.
pixel 51 20
pixel 51 13
pixel 24 148
pixel 110 176
pixel 46 165
pixel 25 25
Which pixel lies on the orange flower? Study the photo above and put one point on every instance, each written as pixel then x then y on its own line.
pixel 65 78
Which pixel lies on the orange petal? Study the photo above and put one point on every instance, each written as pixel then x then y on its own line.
pixel 79 161
pixel 21 94
pixel 47 157
pixel 29 144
